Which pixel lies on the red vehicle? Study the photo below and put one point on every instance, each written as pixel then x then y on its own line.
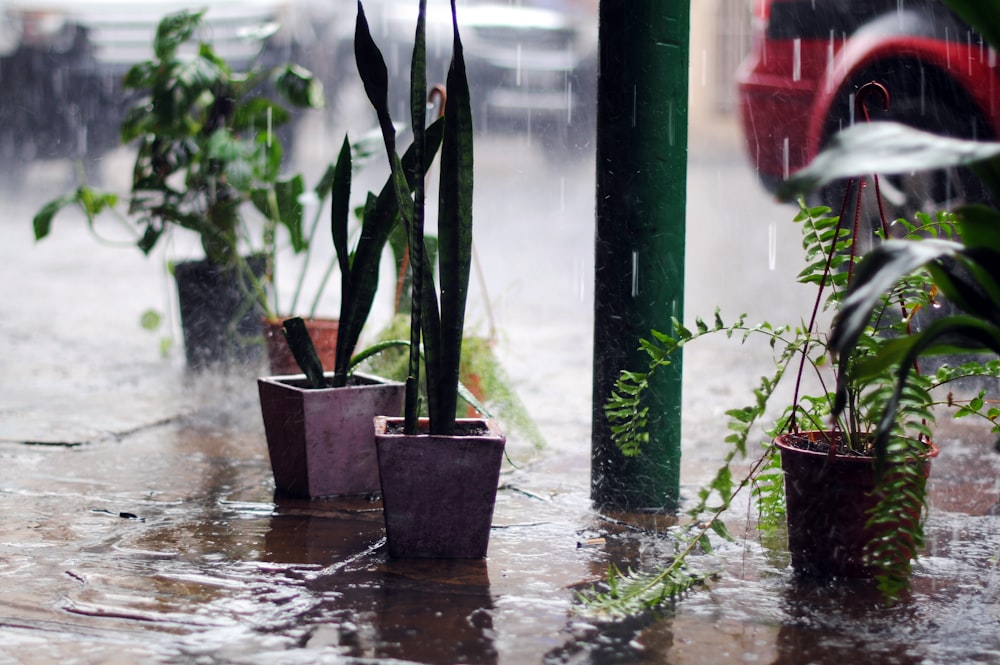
pixel 809 57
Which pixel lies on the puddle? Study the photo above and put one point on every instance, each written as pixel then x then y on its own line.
pixel 172 548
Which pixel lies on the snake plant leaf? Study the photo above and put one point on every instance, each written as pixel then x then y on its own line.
pixel 340 209
pixel 454 229
pixel 374 77
pixel 301 346
pixel 885 148
pixel 360 269
pixel 968 273
pixel 980 231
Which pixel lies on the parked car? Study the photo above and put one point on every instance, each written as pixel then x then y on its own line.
pixel 62 64
pixel 532 64
pixel 809 58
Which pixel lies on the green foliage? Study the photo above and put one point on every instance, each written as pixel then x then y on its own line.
pixel 484 384
pixel 876 388
pixel 437 317
pixel 205 146
pixel 205 126
pixel 634 592
pixel 856 391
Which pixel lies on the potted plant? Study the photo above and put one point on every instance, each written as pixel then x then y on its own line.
pixel 439 475
pixel 832 437
pixel 319 426
pixel 965 272
pixel 322 330
pixel 206 146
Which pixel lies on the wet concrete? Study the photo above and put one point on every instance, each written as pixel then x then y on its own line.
pixel 138 521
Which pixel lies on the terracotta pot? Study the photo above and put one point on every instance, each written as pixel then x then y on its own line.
pixel 279 356
pixel 438 492
pixel 828 500
pixel 220 314
pixel 321 441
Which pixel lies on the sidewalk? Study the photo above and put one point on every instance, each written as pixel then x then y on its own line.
pixel 138 522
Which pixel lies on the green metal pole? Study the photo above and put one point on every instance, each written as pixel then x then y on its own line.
pixel 642 119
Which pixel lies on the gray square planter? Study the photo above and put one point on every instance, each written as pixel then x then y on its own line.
pixel 321 442
pixel 438 492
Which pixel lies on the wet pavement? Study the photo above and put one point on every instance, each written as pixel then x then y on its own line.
pixel 138 520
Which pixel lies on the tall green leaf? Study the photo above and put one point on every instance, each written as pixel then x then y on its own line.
pixel 454 236
pixel 420 286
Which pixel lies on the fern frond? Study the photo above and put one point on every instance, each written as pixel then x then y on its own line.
pixel 634 592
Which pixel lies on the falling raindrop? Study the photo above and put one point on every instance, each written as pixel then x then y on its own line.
pixel 670 123
pixel 517 66
pixel 829 61
pixel 947 47
pixel 796 59
pixel 923 92
pixel 635 273
pixel 968 38
pixel 784 158
pixel 635 94
pixel 772 246
pixel 569 102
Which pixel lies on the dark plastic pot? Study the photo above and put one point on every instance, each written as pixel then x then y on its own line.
pixel 438 492
pixel 220 313
pixel 279 356
pixel 828 501
pixel 321 441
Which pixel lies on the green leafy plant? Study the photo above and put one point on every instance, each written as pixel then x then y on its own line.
pixel 853 397
pixel 897 403
pixel 437 318
pixel 206 145
pixel 359 265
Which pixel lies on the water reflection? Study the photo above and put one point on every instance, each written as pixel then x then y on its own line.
pixel 428 611
pixel 324 531
pixel 834 621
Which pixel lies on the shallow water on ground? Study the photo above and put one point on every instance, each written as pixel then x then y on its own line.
pixel 170 546
pixel 146 530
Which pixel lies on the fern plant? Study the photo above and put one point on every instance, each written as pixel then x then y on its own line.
pixel 853 395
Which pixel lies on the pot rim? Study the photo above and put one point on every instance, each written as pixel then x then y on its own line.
pixel 492 429
pixel 779 441
pixel 321 320
pixel 285 380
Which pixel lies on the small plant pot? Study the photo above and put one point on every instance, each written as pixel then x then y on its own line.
pixel 828 501
pixel 220 313
pixel 279 356
pixel 438 492
pixel 320 440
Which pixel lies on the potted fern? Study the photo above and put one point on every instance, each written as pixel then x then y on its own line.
pixel 206 146
pixel 820 474
pixel 439 475
pixel 875 386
